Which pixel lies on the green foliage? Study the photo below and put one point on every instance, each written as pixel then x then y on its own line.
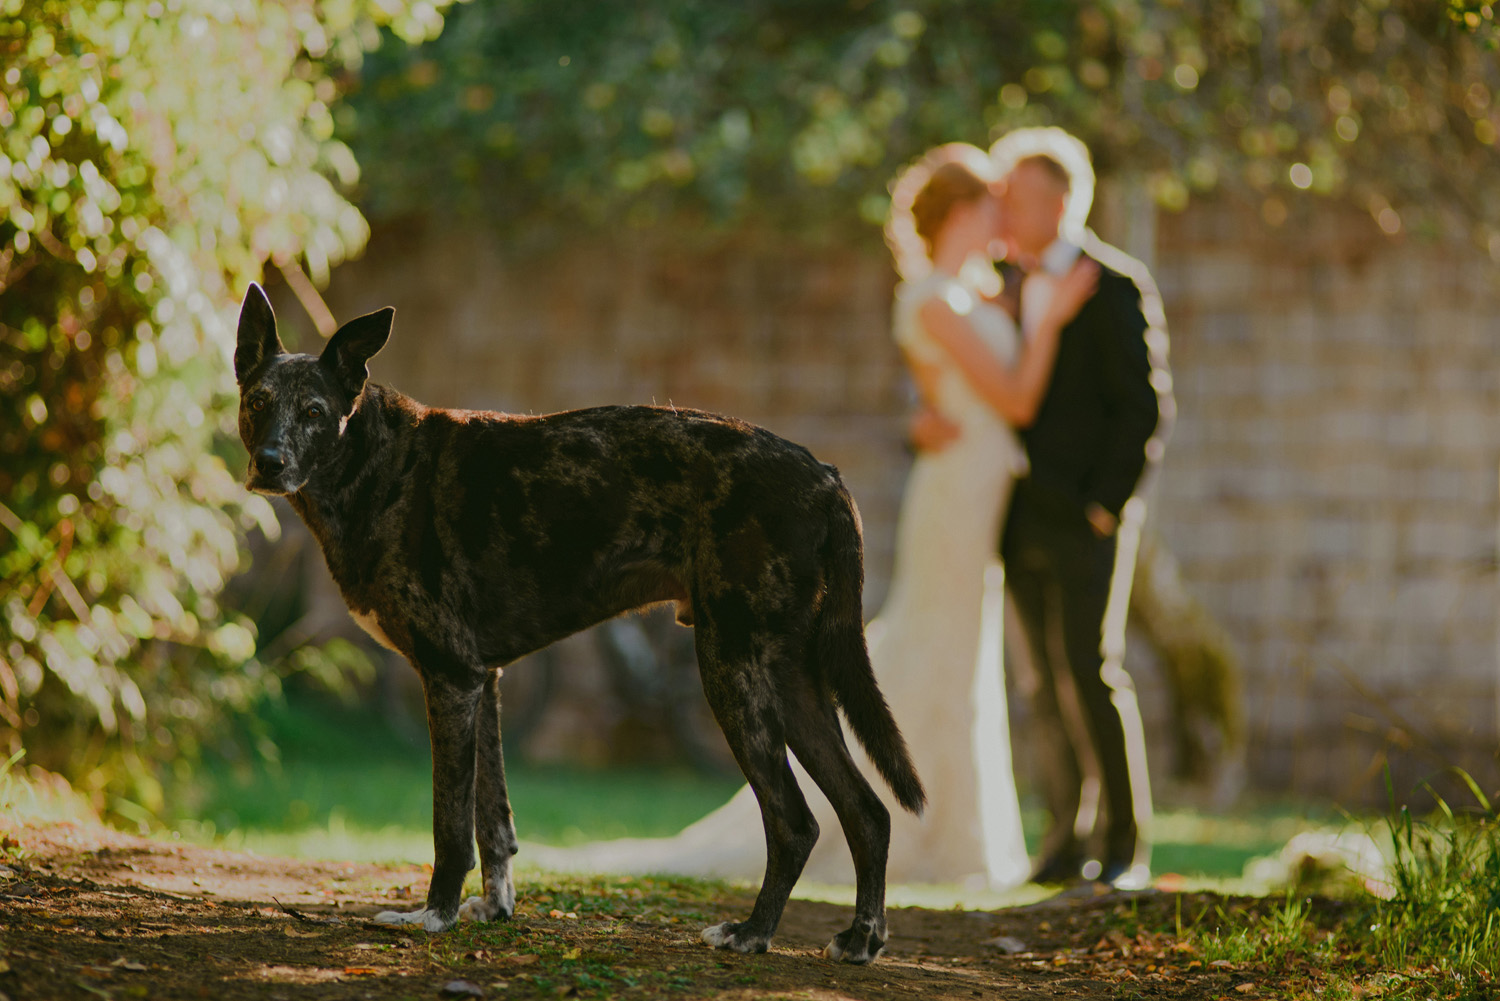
pixel 152 156
pixel 795 115
pixel 1276 937
pixel 1444 911
pixel 1477 17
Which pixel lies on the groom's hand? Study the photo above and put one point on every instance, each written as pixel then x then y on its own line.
pixel 930 431
pixel 1104 523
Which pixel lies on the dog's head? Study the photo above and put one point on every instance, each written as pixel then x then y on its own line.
pixel 293 406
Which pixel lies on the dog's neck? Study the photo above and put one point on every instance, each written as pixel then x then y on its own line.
pixel 327 500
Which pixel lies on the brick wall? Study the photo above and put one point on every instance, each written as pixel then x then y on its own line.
pixel 1331 489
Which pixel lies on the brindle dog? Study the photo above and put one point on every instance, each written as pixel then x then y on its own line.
pixel 465 539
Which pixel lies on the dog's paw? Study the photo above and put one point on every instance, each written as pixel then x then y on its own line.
pixel 490 907
pixel 499 900
pixel 732 935
pixel 430 920
pixel 859 944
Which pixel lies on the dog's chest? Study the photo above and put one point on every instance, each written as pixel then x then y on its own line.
pixel 371 624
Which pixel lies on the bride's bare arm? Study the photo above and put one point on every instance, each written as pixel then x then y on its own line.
pixel 1015 392
pixel 928 430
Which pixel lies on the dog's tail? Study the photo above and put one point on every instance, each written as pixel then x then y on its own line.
pixel 845 660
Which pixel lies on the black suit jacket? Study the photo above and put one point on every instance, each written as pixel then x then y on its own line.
pixel 1088 443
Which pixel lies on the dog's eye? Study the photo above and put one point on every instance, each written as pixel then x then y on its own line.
pixel 258 404
pixel 314 411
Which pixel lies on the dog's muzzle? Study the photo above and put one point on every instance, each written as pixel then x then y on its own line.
pixel 269 472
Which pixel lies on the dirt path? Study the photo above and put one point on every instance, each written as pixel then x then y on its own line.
pixel 90 913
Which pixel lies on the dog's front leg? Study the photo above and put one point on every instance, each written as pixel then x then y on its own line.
pixel 451 712
pixel 494 827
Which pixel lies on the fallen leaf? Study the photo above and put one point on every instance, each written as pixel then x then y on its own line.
pixel 462 989
pixel 573 953
pixel 360 971
pixel 1245 988
pixel 129 964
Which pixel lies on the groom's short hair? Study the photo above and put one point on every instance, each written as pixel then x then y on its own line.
pixel 1052 166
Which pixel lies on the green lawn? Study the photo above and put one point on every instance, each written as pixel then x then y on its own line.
pixel 349 785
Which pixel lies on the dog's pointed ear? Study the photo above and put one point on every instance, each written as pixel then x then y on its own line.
pixel 257 338
pixel 354 344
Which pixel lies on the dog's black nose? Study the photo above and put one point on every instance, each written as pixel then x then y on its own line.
pixel 270 460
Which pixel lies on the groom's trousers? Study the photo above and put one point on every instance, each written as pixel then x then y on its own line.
pixel 1060 575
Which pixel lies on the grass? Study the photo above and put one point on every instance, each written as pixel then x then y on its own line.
pixel 1443 913
pixel 575 954
pixel 1431 931
pixel 347 784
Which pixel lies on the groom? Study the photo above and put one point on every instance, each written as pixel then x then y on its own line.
pixel 1069 541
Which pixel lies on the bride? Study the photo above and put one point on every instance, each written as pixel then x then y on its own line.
pixel 940 675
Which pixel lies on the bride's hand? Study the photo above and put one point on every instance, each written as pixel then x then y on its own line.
pixel 1073 290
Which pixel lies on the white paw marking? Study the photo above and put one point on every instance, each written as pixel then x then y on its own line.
pixel 720 937
pixel 475 909
pixel 429 920
pixel 836 952
pixel 499 899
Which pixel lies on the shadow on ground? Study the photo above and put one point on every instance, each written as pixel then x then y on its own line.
pixel 88 912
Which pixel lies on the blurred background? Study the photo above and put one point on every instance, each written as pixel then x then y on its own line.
pixel 678 201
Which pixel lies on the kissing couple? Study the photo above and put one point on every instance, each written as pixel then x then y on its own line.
pixel 1038 357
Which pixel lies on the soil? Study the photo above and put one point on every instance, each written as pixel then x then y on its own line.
pixel 88 912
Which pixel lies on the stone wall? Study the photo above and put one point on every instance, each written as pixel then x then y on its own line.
pixel 1330 490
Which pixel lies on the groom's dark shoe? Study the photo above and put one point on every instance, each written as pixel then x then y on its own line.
pixel 1059 868
pixel 1119 868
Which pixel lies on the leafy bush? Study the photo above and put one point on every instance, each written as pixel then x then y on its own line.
pixel 793 116
pixel 152 156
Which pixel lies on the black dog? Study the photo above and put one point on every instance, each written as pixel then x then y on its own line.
pixel 465 539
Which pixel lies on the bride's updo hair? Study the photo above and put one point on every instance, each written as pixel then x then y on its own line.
pixel 923 195
pixel 950 184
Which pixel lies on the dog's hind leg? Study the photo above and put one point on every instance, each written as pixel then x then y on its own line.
pixel 451 712
pixel 814 735
pixel 494 827
pixel 741 693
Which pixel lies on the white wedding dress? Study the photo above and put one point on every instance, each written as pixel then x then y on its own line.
pixel 936 650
